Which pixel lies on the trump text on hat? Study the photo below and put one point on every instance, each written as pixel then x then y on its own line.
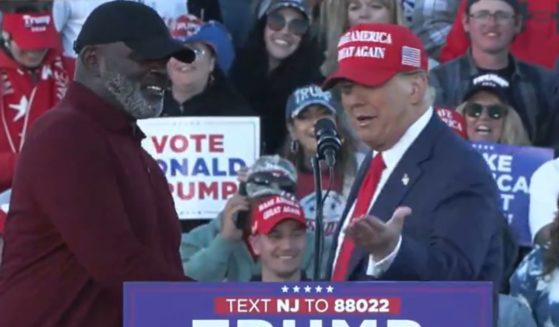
pixel 36 23
pixel 312 92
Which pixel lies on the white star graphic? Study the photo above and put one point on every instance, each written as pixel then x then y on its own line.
pixel 285 289
pixel 46 73
pixel 21 108
pixel 296 289
pixel 329 289
pixel 318 289
pixel 308 289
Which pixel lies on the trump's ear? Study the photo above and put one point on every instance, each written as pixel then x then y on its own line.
pixel 417 86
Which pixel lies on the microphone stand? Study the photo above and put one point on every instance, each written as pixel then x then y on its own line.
pixel 319 229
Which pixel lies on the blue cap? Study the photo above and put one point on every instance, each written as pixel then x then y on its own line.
pixel 212 33
pixel 307 96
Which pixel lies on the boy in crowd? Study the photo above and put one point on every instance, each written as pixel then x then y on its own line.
pixel 279 238
pixel 220 250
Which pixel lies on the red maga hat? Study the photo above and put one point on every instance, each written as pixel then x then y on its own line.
pixel 371 54
pixel 32 31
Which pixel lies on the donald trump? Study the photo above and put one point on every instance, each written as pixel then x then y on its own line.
pixel 424 206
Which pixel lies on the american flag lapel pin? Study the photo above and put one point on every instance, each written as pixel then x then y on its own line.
pixel 405 180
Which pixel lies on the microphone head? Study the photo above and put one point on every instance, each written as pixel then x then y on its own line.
pixel 327 139
pixel 324 126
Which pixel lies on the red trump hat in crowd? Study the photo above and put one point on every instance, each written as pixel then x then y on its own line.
pixel 269 211
pixel 32 31
pixel 371 54
pixel 454 120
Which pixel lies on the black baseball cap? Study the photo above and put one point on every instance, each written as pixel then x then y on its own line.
pixel 137 25
pixel 300 5
pixel 492 83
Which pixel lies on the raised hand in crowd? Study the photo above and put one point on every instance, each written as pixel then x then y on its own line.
pixel 242 174
pixel 229 230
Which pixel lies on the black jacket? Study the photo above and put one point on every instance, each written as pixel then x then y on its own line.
pixel 219 99
pixel 266 92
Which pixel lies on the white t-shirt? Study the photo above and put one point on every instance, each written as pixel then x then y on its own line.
pixel 69 16
pixel 544 191
pixel 169 10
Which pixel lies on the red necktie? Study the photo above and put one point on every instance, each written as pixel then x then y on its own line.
pixel 364 198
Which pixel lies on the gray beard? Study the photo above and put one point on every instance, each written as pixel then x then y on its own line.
pixel 130 96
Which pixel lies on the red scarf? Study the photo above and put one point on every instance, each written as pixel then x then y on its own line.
pixel 25 97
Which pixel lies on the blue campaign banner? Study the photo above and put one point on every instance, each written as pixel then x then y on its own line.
pixel 308 304
pixel 512 168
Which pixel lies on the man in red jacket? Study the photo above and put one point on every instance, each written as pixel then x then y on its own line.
pixel 90 209
pixel 537 43
pixel 33 78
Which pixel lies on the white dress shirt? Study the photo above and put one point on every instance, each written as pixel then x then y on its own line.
pixel 544 191
pixel 391 158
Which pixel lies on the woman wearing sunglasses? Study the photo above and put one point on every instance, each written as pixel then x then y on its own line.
pixel 201 88
pixel 488 115
pixel 279 56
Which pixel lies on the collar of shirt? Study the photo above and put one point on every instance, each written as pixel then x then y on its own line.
pixel 474 70
pixel 393 155
pixel 80 98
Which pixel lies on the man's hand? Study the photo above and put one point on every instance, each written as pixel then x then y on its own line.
pixel 228 229
pixel 377 237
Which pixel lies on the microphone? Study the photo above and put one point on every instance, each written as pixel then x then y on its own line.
pixel 328 141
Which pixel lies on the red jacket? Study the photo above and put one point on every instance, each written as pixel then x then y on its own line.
pixel 90 209
pixel 537 43
pixel 23 101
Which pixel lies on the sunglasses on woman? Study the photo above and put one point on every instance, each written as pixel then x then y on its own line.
pixel 297 26
pixel 494 111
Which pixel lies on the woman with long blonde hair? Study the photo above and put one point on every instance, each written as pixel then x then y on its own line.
pixel 337 16
pixel 488 115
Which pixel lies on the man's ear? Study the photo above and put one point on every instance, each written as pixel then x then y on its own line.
pixel 89 57
pixel 418 84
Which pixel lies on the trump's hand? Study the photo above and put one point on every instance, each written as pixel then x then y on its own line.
pixel 377 237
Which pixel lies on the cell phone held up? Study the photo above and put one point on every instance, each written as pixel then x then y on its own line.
pixel 242 216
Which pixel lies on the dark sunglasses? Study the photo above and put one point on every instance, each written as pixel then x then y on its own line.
pixel 494 111
pixel 297 26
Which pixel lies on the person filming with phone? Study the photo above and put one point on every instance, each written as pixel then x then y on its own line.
pixel 222 250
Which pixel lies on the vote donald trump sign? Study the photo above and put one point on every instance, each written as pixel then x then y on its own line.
pixel 200 158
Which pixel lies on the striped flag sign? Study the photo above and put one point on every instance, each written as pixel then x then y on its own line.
pixel 411 56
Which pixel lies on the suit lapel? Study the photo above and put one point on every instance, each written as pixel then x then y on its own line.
pixel 402 179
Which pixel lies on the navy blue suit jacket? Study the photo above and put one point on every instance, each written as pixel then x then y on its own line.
pixel 455 229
